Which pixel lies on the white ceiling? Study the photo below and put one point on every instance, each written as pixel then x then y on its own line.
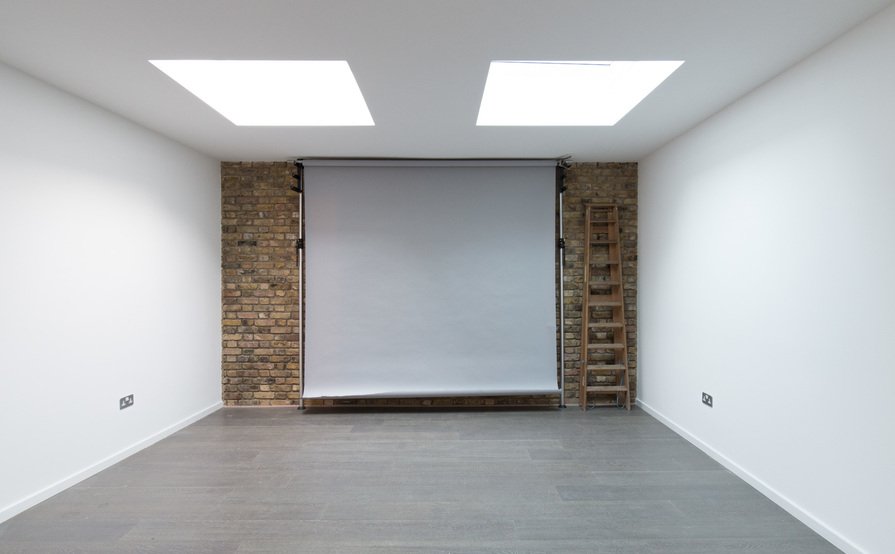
pixel 421 64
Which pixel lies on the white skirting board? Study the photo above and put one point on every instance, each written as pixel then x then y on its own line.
pixel 18 507
pixel 794 509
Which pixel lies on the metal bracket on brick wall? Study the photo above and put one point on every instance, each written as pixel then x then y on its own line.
pixel 560 178
pixel 299 177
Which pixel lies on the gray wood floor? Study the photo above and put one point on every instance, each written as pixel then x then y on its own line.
pixel 279 480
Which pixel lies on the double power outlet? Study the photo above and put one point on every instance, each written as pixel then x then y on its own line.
pixel 125 401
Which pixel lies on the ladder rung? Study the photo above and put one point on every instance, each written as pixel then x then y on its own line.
pixel 608 403
pixel 612 367
pixel 606 346
pixel 604 283
pixel 598 302
pixel 607 388
pixel 604 262
pixel 602 221
pixel 605 325
pixel 603 242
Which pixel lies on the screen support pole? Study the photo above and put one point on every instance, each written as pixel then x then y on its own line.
pixel 561 188
pixel 299 188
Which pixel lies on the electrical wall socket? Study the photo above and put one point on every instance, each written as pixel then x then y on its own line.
pixel 125 401
pixel 707 399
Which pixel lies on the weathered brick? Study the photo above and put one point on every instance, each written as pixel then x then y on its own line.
pixel 598 182
pixel 256 204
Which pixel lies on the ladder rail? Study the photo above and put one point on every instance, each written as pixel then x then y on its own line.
pixel 585 314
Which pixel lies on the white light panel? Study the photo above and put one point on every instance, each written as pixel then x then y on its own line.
pixel 567 93
pixel 274 92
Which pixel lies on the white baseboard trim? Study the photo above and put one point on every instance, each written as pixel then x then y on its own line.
pixel 794 509
pixel 59 486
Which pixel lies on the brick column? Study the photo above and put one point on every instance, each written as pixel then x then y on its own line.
pixel 259 220
pixel 614 183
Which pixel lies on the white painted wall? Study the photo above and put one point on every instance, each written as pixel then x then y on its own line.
pixel 109 285
pixel 767 278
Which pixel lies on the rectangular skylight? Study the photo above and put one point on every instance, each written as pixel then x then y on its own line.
pixel 274 92
pixel 523 93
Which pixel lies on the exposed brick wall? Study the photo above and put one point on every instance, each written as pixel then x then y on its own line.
pixel 260 363
pixel 259 221
pixel 614 183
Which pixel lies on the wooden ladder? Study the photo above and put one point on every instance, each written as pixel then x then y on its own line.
pixel 603 377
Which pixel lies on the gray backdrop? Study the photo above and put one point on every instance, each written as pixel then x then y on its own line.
pixel 429 279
